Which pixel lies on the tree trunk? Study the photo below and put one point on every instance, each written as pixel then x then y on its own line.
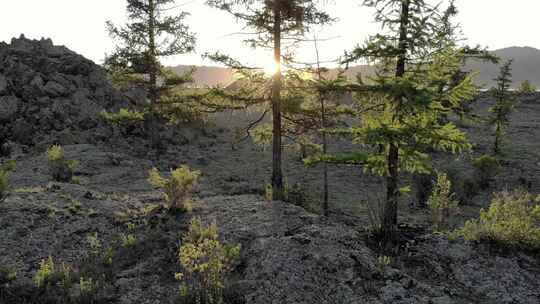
pixel 152 120
pixel 322 99
pixel 277 175
pixel 497 139
pixel 389 225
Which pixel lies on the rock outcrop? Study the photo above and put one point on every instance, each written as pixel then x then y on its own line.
pixel 46 89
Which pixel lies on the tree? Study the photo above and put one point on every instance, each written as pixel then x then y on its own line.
pixel 504 104
pixel 403 112
pixel 274 21
pixel 526 87
pixel 150 34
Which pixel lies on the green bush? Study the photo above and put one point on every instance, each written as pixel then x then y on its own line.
pixel 61 169
pixel 125 120
pixel 205 262
pixel 486 167
pixel 124 116
pixel 178 189
pixel 4 178
pixel 513 219
pixel 442 202
pixel 50 275
pixel 526 87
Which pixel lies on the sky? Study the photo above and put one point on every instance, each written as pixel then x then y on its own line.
pixel 80 25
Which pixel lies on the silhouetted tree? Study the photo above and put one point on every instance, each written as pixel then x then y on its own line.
pixel 274 21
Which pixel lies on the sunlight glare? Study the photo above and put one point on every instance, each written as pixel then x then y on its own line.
pixel 270 68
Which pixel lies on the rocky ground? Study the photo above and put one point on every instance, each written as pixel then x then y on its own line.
pixel 289 255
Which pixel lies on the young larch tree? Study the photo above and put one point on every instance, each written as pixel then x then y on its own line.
pixel 402 112
pixel 504 104
pixel 275 21
pixel 151 33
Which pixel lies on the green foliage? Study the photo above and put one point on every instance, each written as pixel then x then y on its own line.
pixel 150 34
pixel 50 275
pixel 128 240
pixel 123 116
pixel 513 219
pixel 268 192
pixel 486 168
pixel 96 254
pixel 262 135
pixel 88 289
pixel 442 202
pixel 178 189
pixel 504 105
pixel 205 263
pixel 5 169
pixel 383 262
pixel 61 169
pixel 526 87
pixel 403 110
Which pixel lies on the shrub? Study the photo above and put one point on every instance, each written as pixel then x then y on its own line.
pixel 128 240
pixel 4 178
pixel 486 168
pixel 205 262
pixel 122 116
pixel 177 189
pixel 513 219
pixel 48 275
pixel 88 290
pixel 526 87
pixel 124 119
pixel 61 169
pixel 383 262
pixel 442 202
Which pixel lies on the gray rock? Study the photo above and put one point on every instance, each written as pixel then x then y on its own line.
pixel 3 84
pixel 8 107
pixel 23 131
pixel 54 89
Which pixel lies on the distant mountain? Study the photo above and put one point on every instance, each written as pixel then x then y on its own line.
pixel 526 66
pixel 205 76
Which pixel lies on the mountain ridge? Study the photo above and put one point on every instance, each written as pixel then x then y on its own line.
pixel 525 67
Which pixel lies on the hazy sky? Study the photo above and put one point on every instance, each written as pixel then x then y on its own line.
pixel 80 25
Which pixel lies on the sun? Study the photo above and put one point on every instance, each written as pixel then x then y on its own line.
pixel 271 68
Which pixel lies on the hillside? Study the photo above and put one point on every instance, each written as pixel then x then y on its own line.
pixel 526 66
pixel 109 227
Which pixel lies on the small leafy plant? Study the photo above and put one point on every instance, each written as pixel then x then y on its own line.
pixel 205 263
pixel 4 178
pixel 50 275
pixel 178 189
pixel 383 262
pixel 513 219
pixel 442 202
pixel 88 289
pixel 124 120
pixel 61 169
